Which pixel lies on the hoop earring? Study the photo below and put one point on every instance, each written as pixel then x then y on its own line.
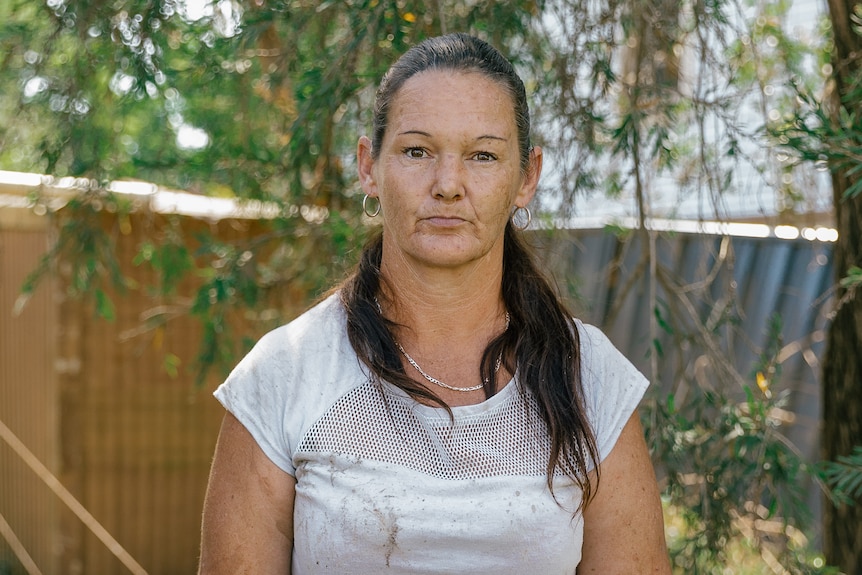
pixel 365 207
pixel 521 222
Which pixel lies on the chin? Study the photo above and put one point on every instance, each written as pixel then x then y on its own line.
pixel 450 260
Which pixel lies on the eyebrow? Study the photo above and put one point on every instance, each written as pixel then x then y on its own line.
pixel 427 135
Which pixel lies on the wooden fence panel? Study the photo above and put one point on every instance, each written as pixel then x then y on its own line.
pixel 28 399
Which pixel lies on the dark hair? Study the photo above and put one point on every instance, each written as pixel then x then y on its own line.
pixel 542 344
pixel 457 52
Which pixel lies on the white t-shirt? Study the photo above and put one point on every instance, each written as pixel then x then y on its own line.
pixel 388 485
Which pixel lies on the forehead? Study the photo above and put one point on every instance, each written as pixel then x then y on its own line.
pixel 450 98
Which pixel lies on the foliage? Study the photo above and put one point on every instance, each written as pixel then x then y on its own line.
pixel 812 136
pixel 735 481
pixel 730 471
pixel 845 476
pixel 261 102
pixel 736 478
pixel 88 248
pixel 825 129
pixel 251 101
pixel 814 132
pixel 675 101
pixel 853 279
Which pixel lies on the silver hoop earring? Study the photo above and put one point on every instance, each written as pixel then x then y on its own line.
pixel 365 207
pixel 521 218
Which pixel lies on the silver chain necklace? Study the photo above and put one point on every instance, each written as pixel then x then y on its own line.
pixel 436 381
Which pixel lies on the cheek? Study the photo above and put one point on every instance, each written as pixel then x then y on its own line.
pixel 395 181
pixel 396 204
pixel 404 190
pixel 507 193
pixel 505 212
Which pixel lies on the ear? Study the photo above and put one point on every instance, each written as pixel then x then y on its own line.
pixel 531 179
pixel 365 165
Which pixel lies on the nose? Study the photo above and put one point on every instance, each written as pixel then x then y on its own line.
pixel 449 181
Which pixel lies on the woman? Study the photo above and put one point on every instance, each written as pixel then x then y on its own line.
pixel 440 412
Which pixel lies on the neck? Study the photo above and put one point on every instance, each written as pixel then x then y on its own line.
pixel 442 304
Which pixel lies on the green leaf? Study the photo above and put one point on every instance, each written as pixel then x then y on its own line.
pixel 104 305
pixel 171 364
pixel 845 475
pixel 853 278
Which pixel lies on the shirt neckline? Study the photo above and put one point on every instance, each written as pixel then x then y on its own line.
pixel 458 411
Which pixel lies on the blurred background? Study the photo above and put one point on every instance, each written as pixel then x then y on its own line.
pixel 177 178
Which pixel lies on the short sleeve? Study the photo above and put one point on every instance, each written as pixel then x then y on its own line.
pixel 254 393
pixel 613 387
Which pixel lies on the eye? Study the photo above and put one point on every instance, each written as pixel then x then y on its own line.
pixel 484 157
pixel 415 152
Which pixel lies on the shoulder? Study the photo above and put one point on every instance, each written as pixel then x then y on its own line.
pixel 315 330
pixel 291 376
pixel 599 356
pixel 612 386
pixel 313 349
pixel 592 338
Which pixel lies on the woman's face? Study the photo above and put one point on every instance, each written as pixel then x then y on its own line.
pixel 448 174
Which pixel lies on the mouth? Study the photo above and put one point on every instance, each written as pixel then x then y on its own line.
pixel 444 221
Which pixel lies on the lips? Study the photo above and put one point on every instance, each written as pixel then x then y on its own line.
pixel 444 221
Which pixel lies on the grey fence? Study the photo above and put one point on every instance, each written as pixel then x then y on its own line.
pixel 735 286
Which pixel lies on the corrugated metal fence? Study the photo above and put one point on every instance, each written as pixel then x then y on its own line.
pixel 736 284
pixel 763 277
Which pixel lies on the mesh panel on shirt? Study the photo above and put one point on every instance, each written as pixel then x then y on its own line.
pixel 368 423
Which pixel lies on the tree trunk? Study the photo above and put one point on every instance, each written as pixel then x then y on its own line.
pixel 842 364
